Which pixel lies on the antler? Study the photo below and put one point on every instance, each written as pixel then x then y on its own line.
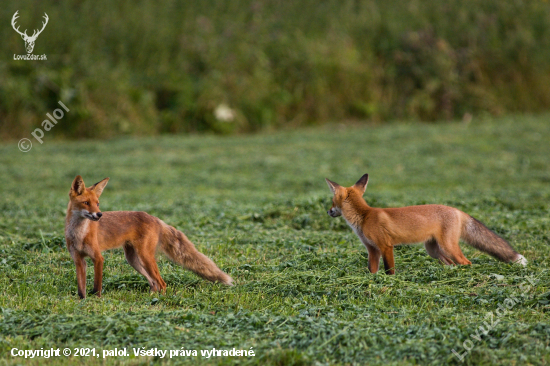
pixel 15 16
pixel 34 35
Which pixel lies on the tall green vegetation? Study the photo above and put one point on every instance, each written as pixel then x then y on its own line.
pixel 141 67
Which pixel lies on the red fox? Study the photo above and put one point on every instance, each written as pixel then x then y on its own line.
pixel 439 227
pixel 89 232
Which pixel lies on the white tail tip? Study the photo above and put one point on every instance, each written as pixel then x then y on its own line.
pixel 521 260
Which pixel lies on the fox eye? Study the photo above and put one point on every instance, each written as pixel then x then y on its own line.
pixel 98 204
pixel 87 203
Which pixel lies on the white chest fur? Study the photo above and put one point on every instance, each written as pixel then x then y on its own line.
pixel 76 230
pixel 359 232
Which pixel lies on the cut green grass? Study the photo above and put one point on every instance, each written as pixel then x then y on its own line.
pixel 257 206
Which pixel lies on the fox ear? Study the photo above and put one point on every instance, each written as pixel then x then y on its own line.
pixel 99 186
pixel 362 183
pixel 78 186
pixel 332 185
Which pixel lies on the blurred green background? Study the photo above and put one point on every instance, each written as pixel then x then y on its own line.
pixel 144 67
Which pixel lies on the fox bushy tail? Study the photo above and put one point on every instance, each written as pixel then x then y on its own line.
pixel 179 248
pixel 479 236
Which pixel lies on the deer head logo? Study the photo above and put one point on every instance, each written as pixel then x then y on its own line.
pixel 29 41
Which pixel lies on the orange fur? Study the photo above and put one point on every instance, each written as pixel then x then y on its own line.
pixel 439 227
pixel 89 232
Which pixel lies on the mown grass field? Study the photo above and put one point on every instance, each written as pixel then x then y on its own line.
pixel 257 206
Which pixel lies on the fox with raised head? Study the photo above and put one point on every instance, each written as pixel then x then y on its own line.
pixel 89 232
pixel 438 227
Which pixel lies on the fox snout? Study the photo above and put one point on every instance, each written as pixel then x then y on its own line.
pixel 334 212
pixel 94 216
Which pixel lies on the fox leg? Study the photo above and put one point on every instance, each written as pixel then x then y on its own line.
pixel 387 257
pixel 149 264
pixel 435 252
pixel 448 244
pixel 133 260
pixel 96 257
pixel 457 255
pixel 80 264
pixel 98 273
pixel 374 258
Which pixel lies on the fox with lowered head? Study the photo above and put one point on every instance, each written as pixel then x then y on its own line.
pixel 438 227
